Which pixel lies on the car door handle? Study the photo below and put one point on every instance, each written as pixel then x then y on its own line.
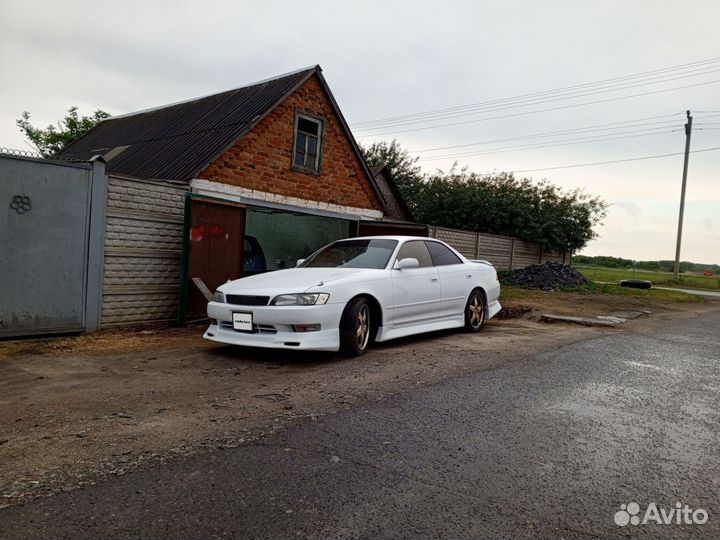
pixel 434 279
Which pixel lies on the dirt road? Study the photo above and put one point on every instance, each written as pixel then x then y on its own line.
pixel 76 410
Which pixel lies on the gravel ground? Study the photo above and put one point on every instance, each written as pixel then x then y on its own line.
pixel 76 410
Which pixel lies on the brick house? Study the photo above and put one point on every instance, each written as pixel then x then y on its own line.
pixel 225 185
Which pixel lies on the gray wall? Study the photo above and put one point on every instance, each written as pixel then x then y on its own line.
pixel 504 252
pixel 143 250
pixel 51 230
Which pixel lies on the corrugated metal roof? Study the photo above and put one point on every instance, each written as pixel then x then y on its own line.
pixel 178 141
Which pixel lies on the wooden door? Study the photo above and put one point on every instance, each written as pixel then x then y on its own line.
pixel 217 235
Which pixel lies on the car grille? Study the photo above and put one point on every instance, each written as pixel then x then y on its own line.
pixel 257 328
pixel 246 300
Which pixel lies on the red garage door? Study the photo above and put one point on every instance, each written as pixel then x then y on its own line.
pixel 216 238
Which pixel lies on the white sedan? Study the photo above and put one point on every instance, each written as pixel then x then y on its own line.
pixel 356 291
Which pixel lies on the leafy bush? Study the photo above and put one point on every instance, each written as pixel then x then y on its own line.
pixel 539 212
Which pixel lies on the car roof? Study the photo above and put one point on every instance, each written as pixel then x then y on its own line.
pixel 392 237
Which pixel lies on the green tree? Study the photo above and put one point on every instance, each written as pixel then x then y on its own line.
pixel 403 168
pixel 539 212
pixel 52 139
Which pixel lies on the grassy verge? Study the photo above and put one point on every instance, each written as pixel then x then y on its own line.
pixel 658 278
pixel 648 294
pixel 595 294
pixel 594 299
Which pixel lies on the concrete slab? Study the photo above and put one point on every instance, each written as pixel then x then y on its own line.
pixel 586 321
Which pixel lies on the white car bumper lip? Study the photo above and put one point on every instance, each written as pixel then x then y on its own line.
pixel 274 326
pixel 323 340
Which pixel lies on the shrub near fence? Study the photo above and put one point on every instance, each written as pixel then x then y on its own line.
pixel 504 252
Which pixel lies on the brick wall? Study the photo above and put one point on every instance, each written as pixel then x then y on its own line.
pixel 143 249
pixel 261 160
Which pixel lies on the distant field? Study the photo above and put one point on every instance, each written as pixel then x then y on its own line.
pixel 658 278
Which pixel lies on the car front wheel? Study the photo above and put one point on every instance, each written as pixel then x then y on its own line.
pixel 475 312
pixel 355 328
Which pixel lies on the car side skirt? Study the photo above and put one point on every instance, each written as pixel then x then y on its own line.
pixel 386 333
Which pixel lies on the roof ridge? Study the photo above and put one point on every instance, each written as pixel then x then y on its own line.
pixel 190 100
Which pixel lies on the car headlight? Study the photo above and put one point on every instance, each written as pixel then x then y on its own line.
pixel 219 297
pixel 300 299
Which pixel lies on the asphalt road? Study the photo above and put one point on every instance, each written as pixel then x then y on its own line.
pixel 544 446
pixel 699 292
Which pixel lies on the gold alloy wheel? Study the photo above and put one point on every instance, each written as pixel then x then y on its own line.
pixel 363 327
pixel 477 311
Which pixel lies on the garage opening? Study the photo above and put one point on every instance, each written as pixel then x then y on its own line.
pixel 391 228
pixel 276 239
pixel 226 241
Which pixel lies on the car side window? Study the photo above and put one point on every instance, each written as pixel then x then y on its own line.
pixel 415 249
pixel 441 255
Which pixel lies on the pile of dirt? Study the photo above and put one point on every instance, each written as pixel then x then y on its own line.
pixel 549 276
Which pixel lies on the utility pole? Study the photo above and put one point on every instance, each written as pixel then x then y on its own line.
pixel 688 132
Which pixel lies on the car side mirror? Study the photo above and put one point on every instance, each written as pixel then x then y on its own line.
pixel 299 262
pixel 404 264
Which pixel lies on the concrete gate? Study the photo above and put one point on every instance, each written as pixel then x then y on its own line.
pixel 52 223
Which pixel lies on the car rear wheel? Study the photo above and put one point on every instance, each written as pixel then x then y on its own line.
pixel 475 312
pixel 355 328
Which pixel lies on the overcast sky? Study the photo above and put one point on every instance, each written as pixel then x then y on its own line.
pixel 385 59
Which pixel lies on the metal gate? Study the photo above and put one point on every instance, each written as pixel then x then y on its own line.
pixel 50 267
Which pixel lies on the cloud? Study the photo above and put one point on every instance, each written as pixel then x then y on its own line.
pixel 708 225
pixel 633 209
pixel 386 59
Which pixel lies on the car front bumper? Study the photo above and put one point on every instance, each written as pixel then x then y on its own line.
pixel 275 326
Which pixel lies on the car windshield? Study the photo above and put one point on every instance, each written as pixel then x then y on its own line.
pixel 353 254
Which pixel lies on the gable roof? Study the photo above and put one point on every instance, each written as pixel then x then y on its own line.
pixel 395 205
pixel 180 140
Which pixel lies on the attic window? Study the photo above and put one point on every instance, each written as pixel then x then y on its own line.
pixel 308 143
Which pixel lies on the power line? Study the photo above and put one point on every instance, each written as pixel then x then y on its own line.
pixel 536 111
pixel 637 122
pixel 568 142
pixel 584 129
pixel 533 94
pixel 477 109
pixel 609 162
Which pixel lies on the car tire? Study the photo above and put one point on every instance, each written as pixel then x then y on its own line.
pixel 636 283
pixel 356 327
pixel 475 311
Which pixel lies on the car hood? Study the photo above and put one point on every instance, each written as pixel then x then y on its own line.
pixel 293 280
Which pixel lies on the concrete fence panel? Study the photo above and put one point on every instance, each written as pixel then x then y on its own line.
pixel 464 241
pixel 495 249
pixel 143 250
pixel 504 252
pixel 526 253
